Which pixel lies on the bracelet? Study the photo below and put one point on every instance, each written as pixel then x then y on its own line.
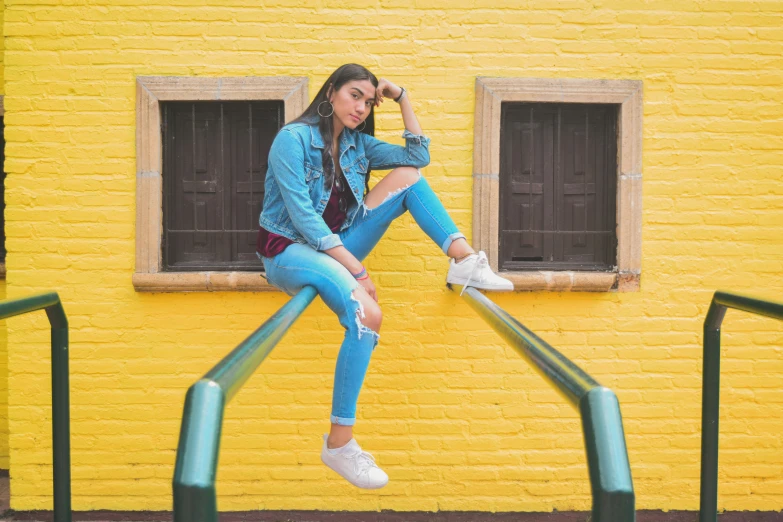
pixel 399 98
pixel 361 274
pixel 366 276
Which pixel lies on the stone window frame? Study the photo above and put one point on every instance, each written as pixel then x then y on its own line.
pixel 150 92
pixel 490 93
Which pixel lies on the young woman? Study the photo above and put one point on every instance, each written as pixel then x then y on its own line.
pixel 320 220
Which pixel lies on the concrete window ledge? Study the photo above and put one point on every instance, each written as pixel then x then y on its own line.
pixel 201 282
pixel 566 281
pixel 253 282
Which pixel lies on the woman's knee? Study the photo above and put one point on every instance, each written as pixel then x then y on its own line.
pixel 392 184
pixel 368 313
pixel 405 176
pixel 373 317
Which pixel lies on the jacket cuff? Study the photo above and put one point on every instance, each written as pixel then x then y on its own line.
pixel 420 139
pixel 327 242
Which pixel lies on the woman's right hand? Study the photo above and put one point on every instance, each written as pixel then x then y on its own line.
pixel 386 89
pixel 369 287
pixel 354 266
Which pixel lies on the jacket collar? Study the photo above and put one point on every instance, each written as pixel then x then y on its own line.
pixel 347 139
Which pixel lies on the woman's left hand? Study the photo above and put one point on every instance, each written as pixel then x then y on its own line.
pixel 386 89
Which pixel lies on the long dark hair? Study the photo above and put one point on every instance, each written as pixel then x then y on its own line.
pixel 338 78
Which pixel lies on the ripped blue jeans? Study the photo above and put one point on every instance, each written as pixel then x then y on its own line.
pixel 300 265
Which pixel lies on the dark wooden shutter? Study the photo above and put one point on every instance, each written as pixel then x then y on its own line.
pixel 558 186
pixel 526 157
pixel 249 155
pixel 215 163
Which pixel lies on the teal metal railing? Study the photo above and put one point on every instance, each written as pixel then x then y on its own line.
pixel 61 418
pixel 195 498
pixel 602 424
pixel 710 394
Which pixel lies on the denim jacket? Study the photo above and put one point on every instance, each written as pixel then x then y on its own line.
pixel 294 193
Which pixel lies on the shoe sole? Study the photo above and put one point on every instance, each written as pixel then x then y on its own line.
pixel 481 286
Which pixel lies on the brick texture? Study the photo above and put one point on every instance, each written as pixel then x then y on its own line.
pixel 3 334
pixel 458 420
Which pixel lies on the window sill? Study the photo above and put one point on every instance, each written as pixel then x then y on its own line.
pixel 532 281
pixel 571 281
pixel 202 282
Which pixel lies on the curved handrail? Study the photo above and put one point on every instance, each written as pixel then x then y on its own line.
pixel 61 417
pixel 710 391
pixel 195 498
pixel 602 425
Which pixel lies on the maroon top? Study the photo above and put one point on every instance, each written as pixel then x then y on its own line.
pixel 269 244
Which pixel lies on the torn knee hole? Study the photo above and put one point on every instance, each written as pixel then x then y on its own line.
pixel 361 315
pixel 395 192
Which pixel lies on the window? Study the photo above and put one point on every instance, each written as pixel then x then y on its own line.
pixel 201 151
pixel 542 243
pixel 557 186
pixel 215 161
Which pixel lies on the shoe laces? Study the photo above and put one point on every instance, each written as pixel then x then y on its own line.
pixel 481 263
pixel 363 462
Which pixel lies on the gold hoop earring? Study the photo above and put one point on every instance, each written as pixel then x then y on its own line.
pixel 364 124
pixel 319 109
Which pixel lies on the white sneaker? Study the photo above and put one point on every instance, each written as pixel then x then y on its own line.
pixel 354 465
pixel 475 271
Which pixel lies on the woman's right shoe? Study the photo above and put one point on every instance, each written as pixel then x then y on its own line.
pixel 475 271
pixel 354 465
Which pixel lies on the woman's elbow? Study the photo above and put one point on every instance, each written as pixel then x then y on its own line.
pixel 421 160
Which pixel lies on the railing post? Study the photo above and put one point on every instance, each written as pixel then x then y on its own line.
pixel 607 457
pixel 710 388
pixel 195 498
pixel 195 471
pixel 710 411
pixel 61 419
pixel 602 425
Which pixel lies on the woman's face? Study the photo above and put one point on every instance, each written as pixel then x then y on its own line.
pixel 353 102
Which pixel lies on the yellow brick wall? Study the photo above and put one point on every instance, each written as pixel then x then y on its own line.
pixel 3 333
pixel 455 417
